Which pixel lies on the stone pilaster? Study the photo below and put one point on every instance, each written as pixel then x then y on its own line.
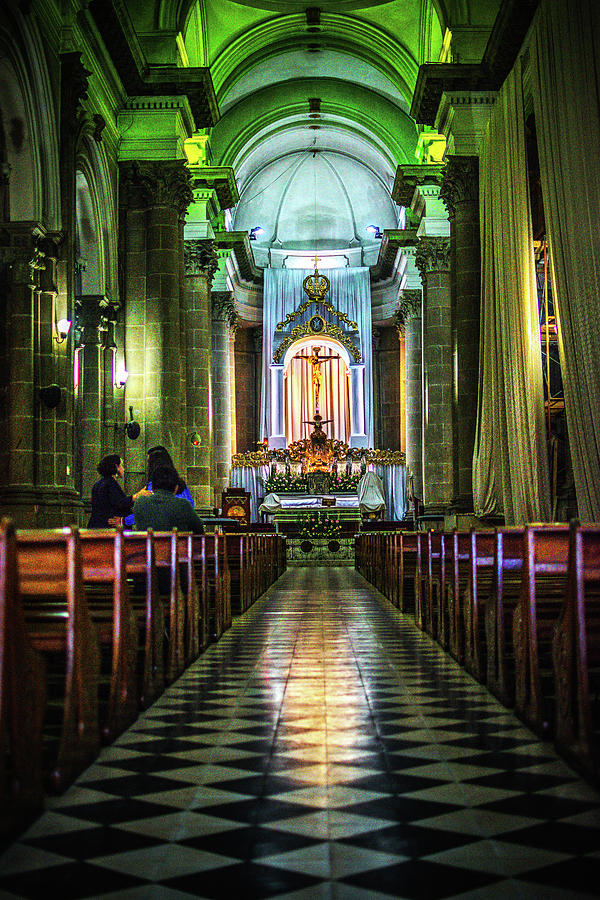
pixel 433 261
pixel 460 192
pixel 153 199
pixel 200 266
pixel 224 319
pixel 90 311
pixel 36 488
pixel 410 312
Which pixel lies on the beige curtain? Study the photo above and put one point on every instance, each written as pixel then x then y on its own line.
pixel 510 467
pixel 565 56
pixel 334 397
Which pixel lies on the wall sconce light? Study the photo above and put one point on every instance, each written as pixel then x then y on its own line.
pixel 195 439
pixel 374 230
pixel 257 230
pixel 121 378
pixel 63 326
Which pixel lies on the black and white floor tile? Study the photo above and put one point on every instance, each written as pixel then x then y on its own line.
pixel 324 748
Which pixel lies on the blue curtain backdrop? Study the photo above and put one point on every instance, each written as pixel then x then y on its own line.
pixel 350 293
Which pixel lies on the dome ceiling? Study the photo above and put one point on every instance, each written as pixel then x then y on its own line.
pixel 315 199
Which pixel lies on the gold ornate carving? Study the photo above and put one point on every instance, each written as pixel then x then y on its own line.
pixel 304 328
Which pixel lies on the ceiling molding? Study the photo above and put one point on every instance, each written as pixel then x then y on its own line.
pixel 506 39
pixel 139 78
pixel 239 243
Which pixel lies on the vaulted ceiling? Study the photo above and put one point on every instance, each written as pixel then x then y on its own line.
pixel 314 102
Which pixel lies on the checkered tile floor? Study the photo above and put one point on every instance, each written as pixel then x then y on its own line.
pixel 324 748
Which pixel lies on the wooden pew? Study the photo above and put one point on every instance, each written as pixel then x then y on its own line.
pixel 440 574
pixel 477 594
pixel 433 568
pixel 140 568
pixel 59 626
pixel 22 701
pixel 237 548
pixel 218 586
pixel 543 584
pixel 576 655
pixel 457 571
pixel 171 551
pixel 107 595
pixel 409 572
pixel 503 598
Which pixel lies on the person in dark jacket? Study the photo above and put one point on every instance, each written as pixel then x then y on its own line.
pixel 163 510
pixel 109 501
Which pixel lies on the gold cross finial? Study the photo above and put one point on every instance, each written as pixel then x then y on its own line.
pixel 316 261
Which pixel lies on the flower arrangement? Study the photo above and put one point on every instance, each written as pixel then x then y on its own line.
pixel 281 482
pixel 344 482
pixel 319 524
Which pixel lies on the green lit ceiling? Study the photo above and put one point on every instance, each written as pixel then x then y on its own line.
pixel 314 107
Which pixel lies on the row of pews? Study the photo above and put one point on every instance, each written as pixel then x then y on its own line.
pixel 94 625
pixel 519 608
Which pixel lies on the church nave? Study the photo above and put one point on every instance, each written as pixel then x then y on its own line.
pixel 324 747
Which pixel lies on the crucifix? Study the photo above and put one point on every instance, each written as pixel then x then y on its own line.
pixel 315 359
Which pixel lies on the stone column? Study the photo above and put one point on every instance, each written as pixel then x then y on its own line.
pixel 22 260
pixel 153 198
pixel 460 192
pixel 223 319
pixel 277 440
pixel 200 266
pixel 410 315
pixel 433 261
pixel 377 400
pixel 35 389
pixel 90 311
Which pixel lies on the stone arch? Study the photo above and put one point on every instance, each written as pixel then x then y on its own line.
pixel 96 227
pixel 30 123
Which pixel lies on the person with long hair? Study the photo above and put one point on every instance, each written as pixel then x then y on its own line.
pixel 160 456
pixel 109 501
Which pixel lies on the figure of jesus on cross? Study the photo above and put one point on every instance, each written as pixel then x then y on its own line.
pixel 315 359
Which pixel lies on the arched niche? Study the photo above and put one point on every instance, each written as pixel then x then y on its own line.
pixel 28 119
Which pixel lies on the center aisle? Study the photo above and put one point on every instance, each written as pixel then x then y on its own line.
pixel 323 748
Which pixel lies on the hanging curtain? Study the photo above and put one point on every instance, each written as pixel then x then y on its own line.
pixel 565 57
pixel 510 468
pixel 334 397
pixel 350 293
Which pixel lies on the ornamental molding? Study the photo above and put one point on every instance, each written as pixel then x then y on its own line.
pixel 200 259
pixel 328 330
pixel 460 183
pixel 433 255
pixel 28 255
pixel 410 306
pixel 152 184
pixel 223 310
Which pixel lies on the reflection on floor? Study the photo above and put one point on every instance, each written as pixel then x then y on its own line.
pixel 324 748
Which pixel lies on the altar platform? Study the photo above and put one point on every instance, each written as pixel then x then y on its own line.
pixel 342 508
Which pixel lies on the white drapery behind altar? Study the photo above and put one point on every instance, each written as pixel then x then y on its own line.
pixel 252 479
pixel 334 397
pixel 350 293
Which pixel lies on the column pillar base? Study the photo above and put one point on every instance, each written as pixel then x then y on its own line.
pixel 41 507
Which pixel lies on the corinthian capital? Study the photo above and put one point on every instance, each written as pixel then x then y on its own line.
pixel 460 183
pixel 223 309
pixel 433 255
pixel 410 306
pixel 156 184
pixel 201 258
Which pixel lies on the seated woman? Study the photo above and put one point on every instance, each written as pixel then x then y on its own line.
pixel 109 501
pixel 160 456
